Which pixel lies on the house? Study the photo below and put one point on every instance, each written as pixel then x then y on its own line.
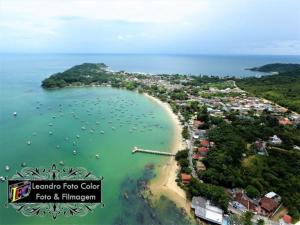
pixel 186 178
pixel 204 210
pixel 204 143
pixel 285 220
pixel 248 203
pixel 203 151
pixel 198 123
pixel 260 147
pixel 275 140
pixel 269 203
pixel 196 156
pixel 284 121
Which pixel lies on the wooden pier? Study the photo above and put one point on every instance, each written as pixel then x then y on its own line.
pixel 136 149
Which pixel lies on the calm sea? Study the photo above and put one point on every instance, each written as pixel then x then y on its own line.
pixel 60 121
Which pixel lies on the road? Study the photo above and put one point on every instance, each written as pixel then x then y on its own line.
pixel 190 145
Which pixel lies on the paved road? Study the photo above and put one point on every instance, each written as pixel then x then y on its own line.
pixel 190 145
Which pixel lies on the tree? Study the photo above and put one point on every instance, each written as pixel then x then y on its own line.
pixel 252 192
pixel 260 222
pixel 247 218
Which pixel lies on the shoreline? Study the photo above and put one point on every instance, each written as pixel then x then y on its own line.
pixel 164 183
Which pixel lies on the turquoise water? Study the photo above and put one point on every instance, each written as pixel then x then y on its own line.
pixel 128 119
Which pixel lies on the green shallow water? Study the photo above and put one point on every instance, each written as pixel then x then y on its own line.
pixel 127 118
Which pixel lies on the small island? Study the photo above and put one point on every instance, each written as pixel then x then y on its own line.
pixel 243 149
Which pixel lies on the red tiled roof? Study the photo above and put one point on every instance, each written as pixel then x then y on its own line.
pixel 203 149
pixel 196 156
pixel 241 198
pixel 268 204
pixel 287 218
pixel 185 177
pixel 204 143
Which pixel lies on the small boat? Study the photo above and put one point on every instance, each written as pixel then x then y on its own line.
pixel 77 136
pixel 102 132
pixel 126 195
pixel 61 163
pixel 2 178
pixel 97 156
pixel 7 168
pixel 28 142
pixel 15 113
pixel 74 152
pixel 23 164
pixel 50 132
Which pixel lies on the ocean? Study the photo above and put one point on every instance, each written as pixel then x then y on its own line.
pixel 91 121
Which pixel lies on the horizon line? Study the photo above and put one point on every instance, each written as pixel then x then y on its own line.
pixel 166 54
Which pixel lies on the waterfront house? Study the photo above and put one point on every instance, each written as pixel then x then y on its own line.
pixel 186 178
pixel 204 210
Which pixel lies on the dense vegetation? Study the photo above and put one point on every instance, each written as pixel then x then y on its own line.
pixel 232 163
pixel 215 193
pixel 277 67
pixel 282 88
pixel 84 74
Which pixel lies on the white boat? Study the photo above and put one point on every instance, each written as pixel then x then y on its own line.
pixel 7 168
pixel 15 113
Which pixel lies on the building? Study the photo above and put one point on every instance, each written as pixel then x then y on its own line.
pixel 275 140
pixel 284 121
pixel 269 203
pixel 285 220
pixel 186 178
pixel 196 156
pixel 204 210
pixel 204 143
pixel 203 151
pixel 260 147
pixel 248 203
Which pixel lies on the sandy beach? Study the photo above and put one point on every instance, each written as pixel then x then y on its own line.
pixel 164 183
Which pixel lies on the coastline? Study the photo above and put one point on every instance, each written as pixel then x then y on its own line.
pixel 164 183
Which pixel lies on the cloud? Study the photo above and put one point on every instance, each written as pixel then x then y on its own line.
pixel 142 26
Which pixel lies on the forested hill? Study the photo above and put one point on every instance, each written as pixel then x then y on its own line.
pixel 84 74
pixel 277 67
pixel 282 88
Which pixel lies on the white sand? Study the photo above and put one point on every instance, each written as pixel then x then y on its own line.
pixel 164 183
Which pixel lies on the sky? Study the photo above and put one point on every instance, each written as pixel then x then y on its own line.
pixel 269 27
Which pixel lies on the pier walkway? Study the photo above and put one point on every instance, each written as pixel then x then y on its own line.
pixel 136 149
